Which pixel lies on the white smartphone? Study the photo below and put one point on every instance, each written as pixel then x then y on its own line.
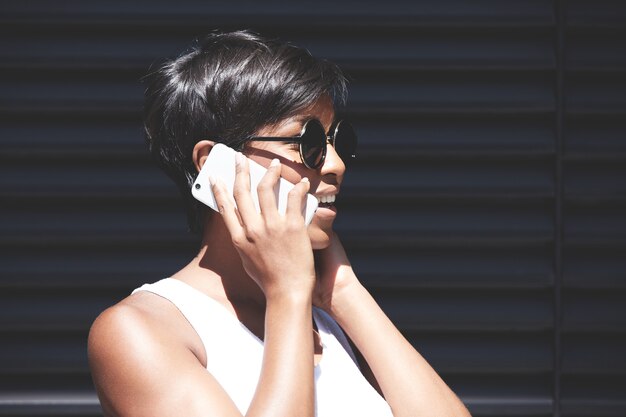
pixel 221 164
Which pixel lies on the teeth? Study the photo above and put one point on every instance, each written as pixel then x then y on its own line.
pixel 326 199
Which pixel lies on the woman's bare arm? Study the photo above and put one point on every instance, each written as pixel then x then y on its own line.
pixel 139 369
pixel 409 384
pixel 142 369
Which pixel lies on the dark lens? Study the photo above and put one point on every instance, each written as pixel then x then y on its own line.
pixel 345 141
pixel 313 144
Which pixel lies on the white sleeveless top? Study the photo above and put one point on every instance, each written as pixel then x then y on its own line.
pixel 235 354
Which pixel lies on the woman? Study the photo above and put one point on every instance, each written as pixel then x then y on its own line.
pixel 253 324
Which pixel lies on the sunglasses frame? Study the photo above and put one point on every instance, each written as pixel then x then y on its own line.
pixel 298 139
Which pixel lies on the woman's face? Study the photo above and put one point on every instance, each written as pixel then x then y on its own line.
pixel 325 180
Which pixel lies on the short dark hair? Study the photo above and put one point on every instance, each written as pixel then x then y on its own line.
pixel 225 88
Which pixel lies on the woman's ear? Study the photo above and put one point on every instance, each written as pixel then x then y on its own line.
pixel 201 152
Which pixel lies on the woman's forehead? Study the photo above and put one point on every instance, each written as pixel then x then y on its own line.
pixel 323 110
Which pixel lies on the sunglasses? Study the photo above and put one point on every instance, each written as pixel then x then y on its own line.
pixel 313 139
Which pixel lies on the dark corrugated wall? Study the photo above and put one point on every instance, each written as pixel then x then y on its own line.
pixel 486 212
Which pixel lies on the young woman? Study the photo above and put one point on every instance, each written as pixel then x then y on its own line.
pixel 269 318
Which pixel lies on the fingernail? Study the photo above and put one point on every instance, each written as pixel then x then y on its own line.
pixel 275 162
pixel 304 179
pixel 211 180
pixel 238 157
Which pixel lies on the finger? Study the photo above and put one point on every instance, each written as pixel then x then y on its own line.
pixel 267 190
pixel 241 189
pixel 226 206
pixel 297 197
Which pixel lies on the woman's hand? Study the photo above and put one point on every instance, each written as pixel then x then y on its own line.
pixel 276 253
pixel 275 249
pixel 334 274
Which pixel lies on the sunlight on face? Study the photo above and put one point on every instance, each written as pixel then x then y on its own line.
pixel 325 181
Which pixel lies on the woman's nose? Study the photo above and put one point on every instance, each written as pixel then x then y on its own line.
pixel 333 164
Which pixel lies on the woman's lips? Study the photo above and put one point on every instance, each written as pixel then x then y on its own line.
pixel 326 206
pixel 326 210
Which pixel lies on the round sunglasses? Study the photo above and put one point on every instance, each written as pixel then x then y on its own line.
pixel 313 138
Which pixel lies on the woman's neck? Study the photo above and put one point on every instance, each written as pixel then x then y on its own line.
pixel 217 269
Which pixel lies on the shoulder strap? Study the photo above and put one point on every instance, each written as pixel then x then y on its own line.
pixel 331 327
pixel 194 306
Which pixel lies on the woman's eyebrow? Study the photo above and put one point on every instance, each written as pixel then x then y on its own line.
pixel 303 118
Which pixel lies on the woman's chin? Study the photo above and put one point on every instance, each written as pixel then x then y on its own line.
pixel 321 227
pixel 320 239
pixel 320 236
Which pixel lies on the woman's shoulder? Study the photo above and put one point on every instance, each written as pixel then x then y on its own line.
pixel 140 324
pixel 138 314
pixel 141 352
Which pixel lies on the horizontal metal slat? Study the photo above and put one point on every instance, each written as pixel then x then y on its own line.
pixel 392 267
pixel 479 310
pixel 594 311
pixel 367 153
pixel 83 175
pixel 593 395
pixel 32 136
pixel 452 133
pixel 493 11
pixel 127 110
pixel 517 353
pixel 596 91
pixel 357 241
pixel 595 220
pixel 581 13
pixel 601 354
pixel 449 175
pixel 51 405
pixel 436 221
pixel 350 67
pixel 446 134
pixel 513 394
pixel 429 91
pixel 419 48
pixel 600 177
pixel 52 310
pixel 599 267
pixel 488 407
pixel 593 133
pixel 596 48
pixel 48 394
pixel 506 135
pixel 486 268
pixel 58 352
pixel 592 408
pixel 425 173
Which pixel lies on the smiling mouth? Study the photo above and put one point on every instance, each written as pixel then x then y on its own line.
pixel 326 201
